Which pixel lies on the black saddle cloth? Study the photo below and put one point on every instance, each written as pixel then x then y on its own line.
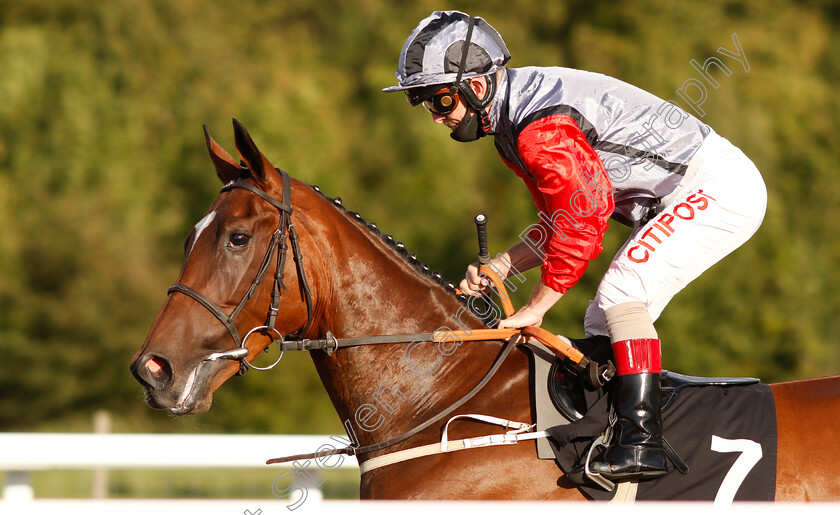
pixel 716 425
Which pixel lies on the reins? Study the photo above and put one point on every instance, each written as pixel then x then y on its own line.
pixel 558 346
pixel 594 373
pixel 330 343
pixel 353 450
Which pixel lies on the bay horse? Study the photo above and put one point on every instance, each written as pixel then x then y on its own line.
pixel 345 279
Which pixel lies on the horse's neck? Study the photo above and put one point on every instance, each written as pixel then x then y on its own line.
pixel 383 390
pixel 366 287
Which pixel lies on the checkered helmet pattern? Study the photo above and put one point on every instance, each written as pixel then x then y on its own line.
pixel 432 53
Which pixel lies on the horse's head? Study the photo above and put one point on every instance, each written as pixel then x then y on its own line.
pixel 226 306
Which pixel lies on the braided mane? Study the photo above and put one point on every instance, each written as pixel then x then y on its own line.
pixel 398 246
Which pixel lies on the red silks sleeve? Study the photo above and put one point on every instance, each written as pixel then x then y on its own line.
pixel 573 195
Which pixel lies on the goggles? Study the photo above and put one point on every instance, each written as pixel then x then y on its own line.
pixel 443 102
pixel 437 98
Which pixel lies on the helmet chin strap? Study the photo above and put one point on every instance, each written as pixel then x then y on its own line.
pixel 476 122
pixel 472 127
pixel 468 129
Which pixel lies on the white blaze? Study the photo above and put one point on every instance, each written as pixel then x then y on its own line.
pixel 200 226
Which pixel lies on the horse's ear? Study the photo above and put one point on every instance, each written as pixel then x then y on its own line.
pixel 226 167
pixel 248 151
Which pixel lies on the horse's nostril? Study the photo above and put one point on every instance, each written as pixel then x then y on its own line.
pixel 158 370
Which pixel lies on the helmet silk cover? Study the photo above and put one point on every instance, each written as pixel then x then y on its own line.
pixel 432 53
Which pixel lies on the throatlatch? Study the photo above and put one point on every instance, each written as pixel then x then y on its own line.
pixel 476 123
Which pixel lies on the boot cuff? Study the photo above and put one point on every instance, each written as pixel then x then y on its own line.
pixel 638 356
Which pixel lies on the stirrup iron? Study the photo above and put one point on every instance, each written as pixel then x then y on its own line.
pixel 598 479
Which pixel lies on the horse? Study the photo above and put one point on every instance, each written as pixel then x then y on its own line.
pixel 345 279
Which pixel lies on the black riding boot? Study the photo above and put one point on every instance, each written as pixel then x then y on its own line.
pixel 636 452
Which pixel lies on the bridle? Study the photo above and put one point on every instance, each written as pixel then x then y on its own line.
pixel 278 243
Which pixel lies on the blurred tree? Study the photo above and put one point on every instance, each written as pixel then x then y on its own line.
pixel 104 173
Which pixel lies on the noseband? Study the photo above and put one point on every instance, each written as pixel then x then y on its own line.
pixel 278 242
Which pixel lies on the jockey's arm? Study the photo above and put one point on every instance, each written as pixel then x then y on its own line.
pixel 543 298
pixel 517 259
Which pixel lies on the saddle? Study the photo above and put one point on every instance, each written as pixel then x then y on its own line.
pixel 696 411
pixel 572 395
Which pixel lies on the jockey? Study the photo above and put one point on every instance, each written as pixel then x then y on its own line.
pixel 589 148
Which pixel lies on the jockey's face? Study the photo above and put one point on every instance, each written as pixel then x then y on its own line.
pixel 456 116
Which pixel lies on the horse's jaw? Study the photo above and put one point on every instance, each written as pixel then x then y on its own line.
pixel 191 399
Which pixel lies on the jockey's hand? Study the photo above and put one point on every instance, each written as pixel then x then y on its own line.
pixel 522 318
pixel 533 312
pixel 473 283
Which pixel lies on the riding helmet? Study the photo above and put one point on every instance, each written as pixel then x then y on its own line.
pixel 432 54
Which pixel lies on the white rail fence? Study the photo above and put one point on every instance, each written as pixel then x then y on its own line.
pixel 22 453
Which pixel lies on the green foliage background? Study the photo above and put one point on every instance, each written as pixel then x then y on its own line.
pixel 104 172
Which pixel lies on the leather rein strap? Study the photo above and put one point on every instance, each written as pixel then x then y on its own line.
pixel 331 344
pixel 354 450
pixel 594 373
pixel 278 243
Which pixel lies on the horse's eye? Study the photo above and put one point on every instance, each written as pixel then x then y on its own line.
pixel 238 240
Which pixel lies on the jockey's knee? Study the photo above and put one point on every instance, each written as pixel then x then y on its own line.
pixel 628 321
